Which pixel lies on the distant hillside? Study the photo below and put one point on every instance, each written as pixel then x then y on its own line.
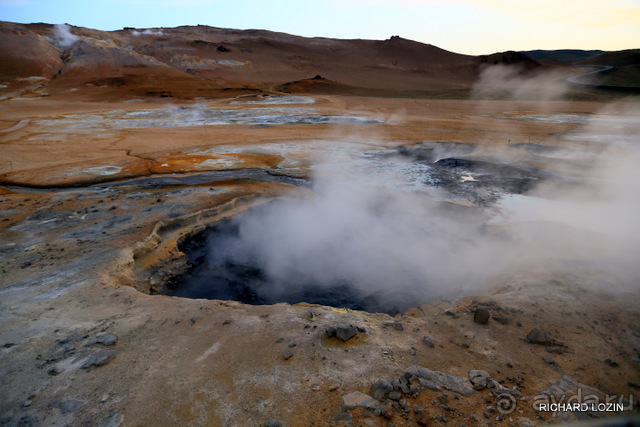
pixel 202 61
pixel 619 58
pixel 567 56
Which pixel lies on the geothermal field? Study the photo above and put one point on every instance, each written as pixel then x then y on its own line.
pixel 206 226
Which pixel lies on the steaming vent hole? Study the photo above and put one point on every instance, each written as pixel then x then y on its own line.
pixel 218 272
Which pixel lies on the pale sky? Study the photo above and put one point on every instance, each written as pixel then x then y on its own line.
pixel 464 26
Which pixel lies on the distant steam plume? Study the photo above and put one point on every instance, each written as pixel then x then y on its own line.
pixel 63 37
pixel 509 81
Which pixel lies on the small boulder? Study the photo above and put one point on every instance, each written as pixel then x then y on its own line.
pixel 358 400
pixel 344 332
pixel 99 358
pixel 381 389
pixel 481 315
pixel 480 379
pixel 428 341
pixel 538 337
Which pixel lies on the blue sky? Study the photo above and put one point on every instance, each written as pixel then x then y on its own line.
pixel 463 26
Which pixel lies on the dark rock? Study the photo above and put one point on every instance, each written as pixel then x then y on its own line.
pixel 99 358
pixel 292 344
pixel 358 400
pixel 381 389
pixel 103 338
pixel 423 419
pixel 288 354
pixel 548 361
pixel 428 341
pixel 481 315
pixel 441 380
pixel 419 410
pixel 331 331
pixel 611 362
pixel 538 337
pixel 193 320
pixel 395 395
pixel 344 332
pixel 274 423
pixel 634 384
pixel 553 350
pixel 480 379
pixel 361 329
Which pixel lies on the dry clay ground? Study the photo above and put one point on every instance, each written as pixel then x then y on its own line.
pixel 70 258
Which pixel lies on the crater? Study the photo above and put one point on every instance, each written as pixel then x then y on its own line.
pixel 219 268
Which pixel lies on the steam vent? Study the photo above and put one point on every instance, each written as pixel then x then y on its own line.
pixel 207 226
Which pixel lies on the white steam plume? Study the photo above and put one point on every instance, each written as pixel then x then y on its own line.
pixel 63 37
pixel 364 228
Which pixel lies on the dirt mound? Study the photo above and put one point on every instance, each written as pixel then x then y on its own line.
pixel 24 53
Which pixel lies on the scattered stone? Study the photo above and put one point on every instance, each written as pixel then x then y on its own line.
pixel 66 347
pixel 70 406
pixel 288 354
pixel 538 337
pixel 344 332
pixel 292 344
pixel 480 379
pixel 343 416
pixel 274 423
pixel 441 380
pixel 553 350
pixel 193 320
pixel 548 361
pixel 611 362
pixel 418 410
pixel 361 329
pixel 310 314
pixel 428 341
pixel 358 400
pixel 393 324
pixel 99 358
pixel 481 315
pixel 331 331
pixel 381 389
pixel 103 338
pixel 423 419
pixel 395 395
pixel 54 371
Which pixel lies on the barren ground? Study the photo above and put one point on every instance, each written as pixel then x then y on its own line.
pixel 74 247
